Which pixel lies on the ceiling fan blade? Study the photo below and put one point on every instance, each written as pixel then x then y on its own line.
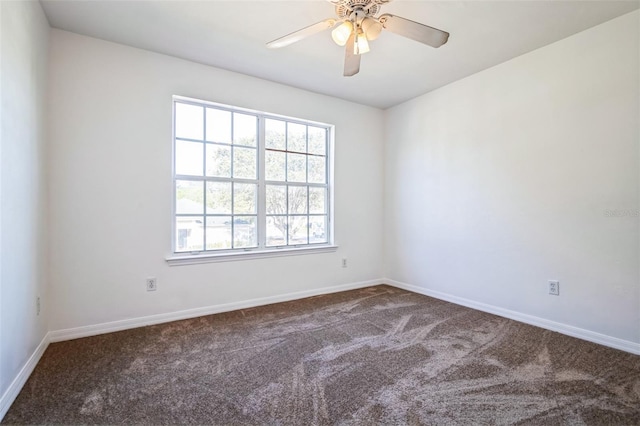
pixel 414 30
pixel 351 60
pixel 300 34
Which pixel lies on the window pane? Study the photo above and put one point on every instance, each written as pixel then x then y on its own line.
pixel 317 229
pixel 297 230
pixel 218 125
pixel 218 160
pixel 317 140
pixel 244 198
pixel 317 200
pixel 244 163
pixel 244 231
pixel 218 198
pixel 276 199
pixel 218 232
pixel 189 158
pixel 189 197
pixel 276 230
pixel 189 121
pixel 219 171
pixel 296 167
pixel 296 137
pixel 244 129
pixel 189 233
pixel 297 200
pixel 317 171
pixel 274 134
pixel 275 165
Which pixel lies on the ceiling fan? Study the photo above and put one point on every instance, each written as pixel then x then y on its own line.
pixel 359 25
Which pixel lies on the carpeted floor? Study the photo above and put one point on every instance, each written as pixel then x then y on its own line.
pixel 373 356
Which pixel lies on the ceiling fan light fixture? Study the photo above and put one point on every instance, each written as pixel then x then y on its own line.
pixel 371 27
pixel 361 45
pixel 360 23
pixel 341 34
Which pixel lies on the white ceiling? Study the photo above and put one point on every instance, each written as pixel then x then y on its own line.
pixel 232 35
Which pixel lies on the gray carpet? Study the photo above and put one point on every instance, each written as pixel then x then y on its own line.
pixel 373 356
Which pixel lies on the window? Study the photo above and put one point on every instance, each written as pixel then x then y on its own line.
pixel 247 181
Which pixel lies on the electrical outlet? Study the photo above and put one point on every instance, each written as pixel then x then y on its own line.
pixel 554 287
pixel 38 305
pixel 344 262
pixel 152 285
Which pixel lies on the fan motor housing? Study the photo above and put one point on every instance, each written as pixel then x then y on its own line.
pixel 346 7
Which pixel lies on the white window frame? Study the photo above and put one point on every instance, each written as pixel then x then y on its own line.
pixel 262 251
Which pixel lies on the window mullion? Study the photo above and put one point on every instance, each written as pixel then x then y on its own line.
pixel 306 159
pixel 233 185
pixel 328 173
pixel 204 181
pixel 262 187
pixel 174 230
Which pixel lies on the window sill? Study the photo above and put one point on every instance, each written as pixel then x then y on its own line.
pixel 192 259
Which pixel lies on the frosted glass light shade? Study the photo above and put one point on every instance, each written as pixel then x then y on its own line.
pixel 371 28
pixel 341 34
pixel 361 45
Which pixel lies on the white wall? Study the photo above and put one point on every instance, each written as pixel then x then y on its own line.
pixel 24 35
pixel 110 174
pixel 499 182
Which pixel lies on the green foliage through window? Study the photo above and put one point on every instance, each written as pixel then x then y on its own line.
pixel 248 180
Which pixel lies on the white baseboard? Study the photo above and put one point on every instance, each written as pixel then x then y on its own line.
pixel 109 327
pixel 580 333
pixel 74 333
pixel 16 386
